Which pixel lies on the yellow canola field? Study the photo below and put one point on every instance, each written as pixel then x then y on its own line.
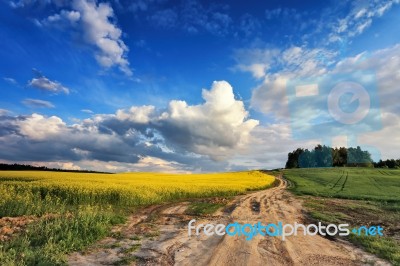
pixel 124 189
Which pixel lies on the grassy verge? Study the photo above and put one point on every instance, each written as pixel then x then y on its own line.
pixel 46 241
pixel 384 247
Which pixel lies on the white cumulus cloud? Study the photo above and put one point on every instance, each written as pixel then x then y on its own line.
pixel 96 24
pixel 138 114
pixel 214 128
pixel 38 127
pixel 99 31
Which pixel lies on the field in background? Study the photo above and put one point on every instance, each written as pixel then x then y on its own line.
pixel 357 196
pixel 343 182
pixel 64 212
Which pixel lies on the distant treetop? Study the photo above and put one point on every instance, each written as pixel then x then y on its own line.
pixel 325 156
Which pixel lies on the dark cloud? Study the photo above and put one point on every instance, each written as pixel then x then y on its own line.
pixel 83 144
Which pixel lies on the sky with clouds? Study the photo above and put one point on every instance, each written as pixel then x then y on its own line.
pixel 194 86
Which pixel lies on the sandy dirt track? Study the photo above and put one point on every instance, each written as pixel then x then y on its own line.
pixel 165 241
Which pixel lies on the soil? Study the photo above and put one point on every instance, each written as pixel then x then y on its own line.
pixel 11 226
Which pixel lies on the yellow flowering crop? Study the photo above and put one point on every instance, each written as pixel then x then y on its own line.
pixel 126 189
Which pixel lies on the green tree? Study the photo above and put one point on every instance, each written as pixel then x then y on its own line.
pixel 293 158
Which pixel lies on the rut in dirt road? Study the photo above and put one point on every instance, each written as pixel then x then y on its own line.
pixel 173 246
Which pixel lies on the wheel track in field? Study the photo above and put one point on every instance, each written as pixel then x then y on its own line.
pixel 337 181
pixel 345 181
pixel 333 179
pixel 376 183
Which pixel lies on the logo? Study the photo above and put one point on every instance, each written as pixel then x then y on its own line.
pixel 358 93
pixel 249 231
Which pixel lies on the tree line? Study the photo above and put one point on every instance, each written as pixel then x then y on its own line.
pixel 325 156
pixel 390 163
pixel 27 167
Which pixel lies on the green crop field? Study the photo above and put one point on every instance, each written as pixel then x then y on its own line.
pixel 351 183
pixel 357 196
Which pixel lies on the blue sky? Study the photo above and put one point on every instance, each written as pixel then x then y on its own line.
pixel 119 84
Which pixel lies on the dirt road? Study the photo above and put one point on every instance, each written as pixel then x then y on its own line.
pixel 159 236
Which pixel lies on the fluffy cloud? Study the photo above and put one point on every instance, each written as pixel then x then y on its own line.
pixel 42 83
pixel 136 114
pixel 213 128
pixel 180 137
pixel 147 164
pixel 106 36
pixel 258 70
pixel 35 103
pixel 38 127
pixel 71 16
pixel 270 96
pixel 94 23
pixel 269 147
pixel 216 128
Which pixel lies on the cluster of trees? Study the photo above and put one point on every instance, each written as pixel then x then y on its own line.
pixel 325 156
pixel 392 163
pixel 25 167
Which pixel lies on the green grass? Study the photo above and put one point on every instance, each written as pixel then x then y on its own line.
pixel 47 241
pixel 384 247
pixel 203 208
pixel 357 196
pixel 350 183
